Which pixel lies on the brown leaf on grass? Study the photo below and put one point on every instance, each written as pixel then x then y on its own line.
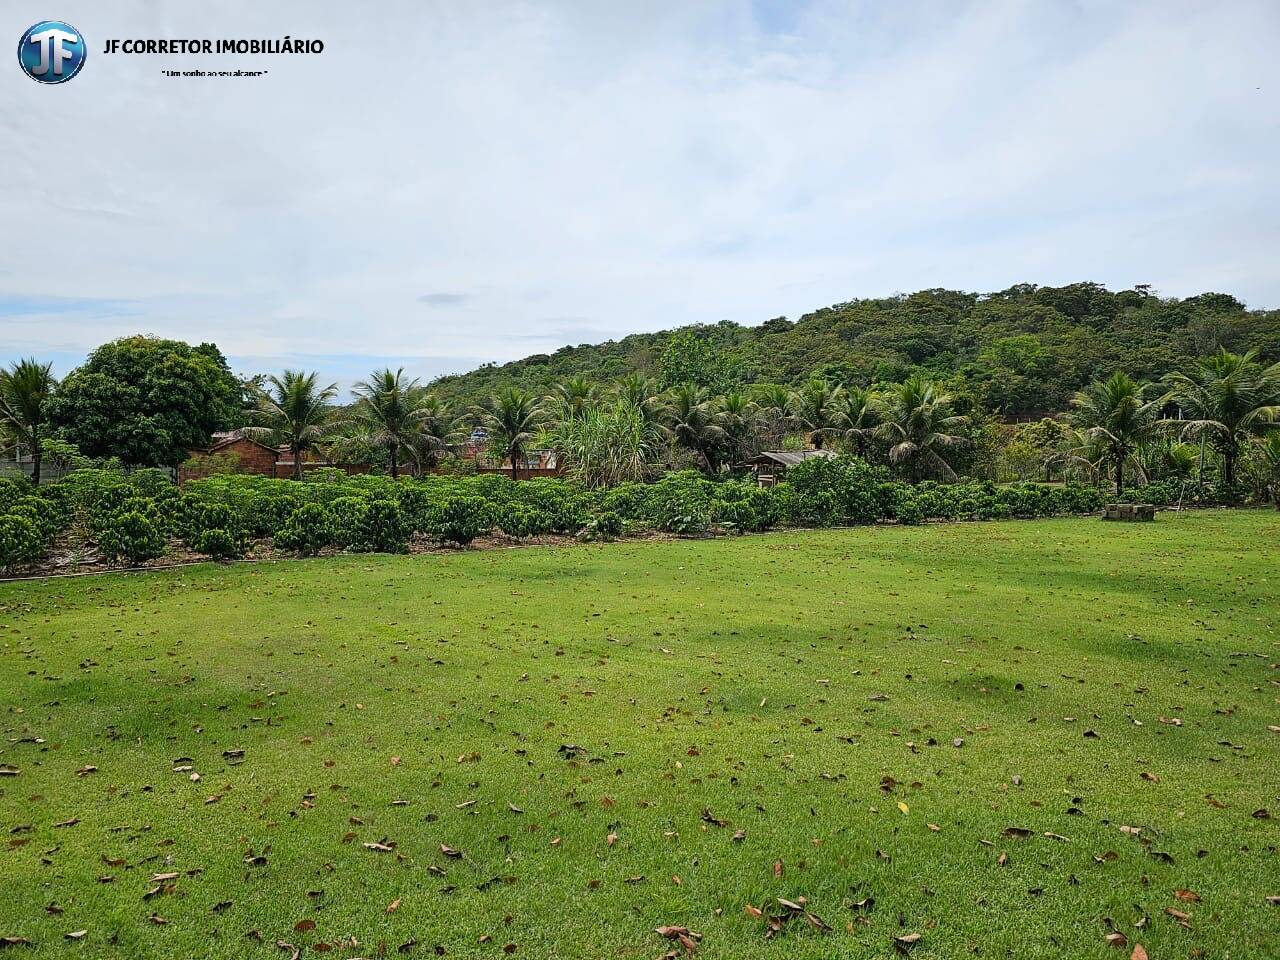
pixel 379 847
pixel 1138 953
pixel 1021 833
pixel 1273 901
pixel 904 943
pixel 1106 857
pixel 294 952
pixel 15 942
pixel 158 920
pixel 1183 919
pixel 302 926
pixel 7 771
pixel 223 905
pixel 1188 896
pixel 68 823
pixel 1116 939
pixel 255 861
pixel 777 868
pixel 751 911
pixel 394 905
pixel 683 935
pixel 611 839
pixel 448 851
pixel 513 808
pixel 817 922
pixel 1150 777
pixel 75 935
pixel 709 817
pixel 87 769
pixel 162 877
pixel 739 836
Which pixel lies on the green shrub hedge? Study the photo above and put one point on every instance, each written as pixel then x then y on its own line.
pixel 133 516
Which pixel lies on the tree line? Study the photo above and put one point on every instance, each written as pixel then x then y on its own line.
pixel 149 402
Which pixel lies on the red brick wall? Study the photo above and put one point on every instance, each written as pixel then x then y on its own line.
pixel 250 458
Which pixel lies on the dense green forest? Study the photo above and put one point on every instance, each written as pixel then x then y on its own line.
pixel 1020 352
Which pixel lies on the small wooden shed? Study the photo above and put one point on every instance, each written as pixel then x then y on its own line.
pixel 770 466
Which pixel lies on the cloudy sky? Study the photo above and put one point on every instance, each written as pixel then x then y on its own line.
pixel 457 182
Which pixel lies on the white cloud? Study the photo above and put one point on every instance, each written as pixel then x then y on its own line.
pixel 449 182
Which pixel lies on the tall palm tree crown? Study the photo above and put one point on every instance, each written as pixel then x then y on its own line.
pixel 439 428
pixel 295 410
pixel 644 394
pixel 571 399
pixel 813 410
pixel 390 410
pixel 512 418
pixel 1226 397
pixel 695 425
pixel 24 389
pixel 858 412
pixel 918 422
pixel 1115 419
pixel 738 418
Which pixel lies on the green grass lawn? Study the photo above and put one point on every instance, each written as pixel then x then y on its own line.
pixel 552 751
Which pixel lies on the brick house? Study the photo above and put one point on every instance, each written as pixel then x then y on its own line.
pixel 245 454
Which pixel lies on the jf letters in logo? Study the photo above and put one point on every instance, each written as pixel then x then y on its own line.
pixel 51 51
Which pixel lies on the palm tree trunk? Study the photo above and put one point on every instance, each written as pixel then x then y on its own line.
pixel 395 465
pixel 297 461
pixel 1119 476
pixel 36 456
pixel 1229 468
pixel 514 454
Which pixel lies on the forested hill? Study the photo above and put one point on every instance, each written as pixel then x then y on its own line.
pixel 1020 351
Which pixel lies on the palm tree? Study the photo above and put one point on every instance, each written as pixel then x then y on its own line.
pixel 695 425
pixel 294 410
pixel 1226 397
pixel 813 409
pixel 738 417
pixel 389 411
pixel 642 393
pixel 512 418
pixel 772 403
pixel 571 399
pixel 438 428
pixel 1115 419
pixel 917 422
pixel 24 389
pixel 858 413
